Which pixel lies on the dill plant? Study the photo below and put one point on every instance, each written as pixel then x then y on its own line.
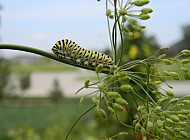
pixel 158 114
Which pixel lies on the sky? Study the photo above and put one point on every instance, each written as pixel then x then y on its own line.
pixel 40 23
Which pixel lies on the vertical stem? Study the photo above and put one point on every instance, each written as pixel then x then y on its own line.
pixel 115 31
pixel 147 85
pixel 111 41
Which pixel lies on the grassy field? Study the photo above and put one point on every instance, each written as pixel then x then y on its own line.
pixel 40 119
pixel 39 114
pixel 41 65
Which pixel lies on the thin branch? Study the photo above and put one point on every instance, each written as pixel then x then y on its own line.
pixel 46 54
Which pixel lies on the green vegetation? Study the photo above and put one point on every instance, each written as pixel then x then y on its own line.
pixel 4 76
pixel 40 119
pixel 42 65
pixel 177 68
pixel 38 113
pixel 128 97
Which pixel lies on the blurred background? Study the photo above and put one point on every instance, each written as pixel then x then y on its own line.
pixel 37 95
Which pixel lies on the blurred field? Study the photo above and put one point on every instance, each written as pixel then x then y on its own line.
pixel 43 65
pixel 38 113
pixel 176 68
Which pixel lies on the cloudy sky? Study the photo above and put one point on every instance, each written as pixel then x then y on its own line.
pixel 40 23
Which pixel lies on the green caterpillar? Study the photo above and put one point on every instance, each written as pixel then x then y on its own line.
pixel 70 50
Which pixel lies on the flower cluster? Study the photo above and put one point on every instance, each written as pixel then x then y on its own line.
pixel 125 12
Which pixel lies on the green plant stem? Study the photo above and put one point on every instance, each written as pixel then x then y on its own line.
pixel 78 120
pixel 115 32
pixel 46 54
pixel 109 31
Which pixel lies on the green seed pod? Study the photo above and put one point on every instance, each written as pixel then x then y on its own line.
pixel 113 69
pixel 188 115
pixel 180 104
pixel 101 87
pixel 133 21
pixel 174 100
pixel 185 61
pixel 162 130
pixel 186 97
pixel 156 92
pixel 103 113
pixel 181 123
pixel 186 102
pixel 163 99
pixel 183 111
pixel 126 88
pixel 140 108
pixel 169 93
pixel 166 72
pixel 122 74
pixel 185 52
pixel 117 107
pixel 95 100
pixel 170 130
pixel 143 131
pixel 146 10
pixel 139 2
pixel 164 48
pixel 124 19
pixel 123 133
pixel 113 78
pixel 125 29
pixel 157 82
pixel 149 125
pixel 177 129
pixel 184 69
pixel 174 118
pixel 111 110
pixel 97 112
pixel 137 127
pixel 182 117
pixel 134 122
pixel 176 78
pixel 173 74
pixel 159 123
pixel 130 34
pixel 162 56
pixel 123 11
pixel 167 61
pixel 99 68
pixel 112 94
pixel 187 76
pixel 86 84
pixel 121 101
pixel 144 16
pixel 158 108
pixel 124 79
pixel 169 121
pixel 111 16
pixel 137 28
pixel 143 27
pixel 184 134
pixel 108 12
